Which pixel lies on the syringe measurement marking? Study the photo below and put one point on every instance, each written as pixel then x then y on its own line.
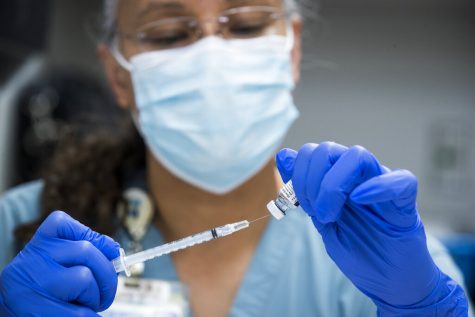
pixel 169 247
pixel 123 262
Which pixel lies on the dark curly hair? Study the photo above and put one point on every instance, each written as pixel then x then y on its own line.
pixel 85 176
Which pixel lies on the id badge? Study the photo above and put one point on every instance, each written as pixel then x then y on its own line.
pixel 137 297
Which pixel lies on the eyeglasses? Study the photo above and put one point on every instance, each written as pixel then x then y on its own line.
pixel 236 23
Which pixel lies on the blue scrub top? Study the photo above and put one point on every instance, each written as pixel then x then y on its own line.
pixel 290 273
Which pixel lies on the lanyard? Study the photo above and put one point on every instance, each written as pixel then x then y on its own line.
pixel 138 215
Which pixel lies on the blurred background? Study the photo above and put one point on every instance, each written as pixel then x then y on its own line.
pixel 395 76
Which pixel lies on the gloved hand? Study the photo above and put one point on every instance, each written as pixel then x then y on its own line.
pixel 65 270
pixel 367 217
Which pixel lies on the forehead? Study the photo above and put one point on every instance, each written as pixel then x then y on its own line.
pixel 136 11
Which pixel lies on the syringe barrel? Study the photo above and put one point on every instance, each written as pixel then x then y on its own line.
pixel 118 267
pixel 169 247
pixel 119 263
pixel 122 263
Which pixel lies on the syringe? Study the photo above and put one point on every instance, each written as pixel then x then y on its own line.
pixel 123 262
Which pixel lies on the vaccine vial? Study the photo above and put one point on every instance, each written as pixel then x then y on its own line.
pixel 285 201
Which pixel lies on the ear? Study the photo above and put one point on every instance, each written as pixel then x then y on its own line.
pixel 118 78
pixel 297 49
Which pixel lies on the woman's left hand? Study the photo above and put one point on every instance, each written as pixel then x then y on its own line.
pixel 367 217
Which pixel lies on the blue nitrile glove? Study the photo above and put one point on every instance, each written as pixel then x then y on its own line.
pixel 367 217
pixel 65 270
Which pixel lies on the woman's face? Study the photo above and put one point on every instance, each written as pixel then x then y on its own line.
pixel 146 25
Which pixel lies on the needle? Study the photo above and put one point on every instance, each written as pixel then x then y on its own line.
pixel 260 218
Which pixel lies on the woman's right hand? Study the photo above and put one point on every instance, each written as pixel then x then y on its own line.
pixel 65 270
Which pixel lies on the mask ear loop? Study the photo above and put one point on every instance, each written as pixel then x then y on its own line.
pixel 289 45
pixel 118 56
pixel 135 118
pixel 290 36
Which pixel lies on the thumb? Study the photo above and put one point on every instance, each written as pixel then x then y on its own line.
pixel 285 161
pixel 398 188
pixel 61 225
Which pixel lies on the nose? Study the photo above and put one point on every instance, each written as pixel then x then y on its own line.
pixel 210 26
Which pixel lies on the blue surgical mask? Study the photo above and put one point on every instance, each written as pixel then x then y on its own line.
pixel 215 112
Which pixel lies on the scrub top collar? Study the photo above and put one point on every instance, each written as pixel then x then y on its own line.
pixel 261 274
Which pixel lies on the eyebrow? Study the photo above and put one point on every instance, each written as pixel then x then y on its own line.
pixel 179 6
pixel 156 5
pixel 249 1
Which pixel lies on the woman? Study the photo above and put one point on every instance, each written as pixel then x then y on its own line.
pixel 208 84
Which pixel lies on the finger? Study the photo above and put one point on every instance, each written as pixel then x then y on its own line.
pixel 60 225
pixel 285 160
pixel 4 310
pixel 65 309
pixel 45 306
pixel 86 254
pixel 81 286
pixel 322 159
pixel 398 188
pixel 299 175
pixel 79 311
pixel 353 168
pixel 83 253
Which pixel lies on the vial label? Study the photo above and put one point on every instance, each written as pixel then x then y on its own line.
pixel 288 193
